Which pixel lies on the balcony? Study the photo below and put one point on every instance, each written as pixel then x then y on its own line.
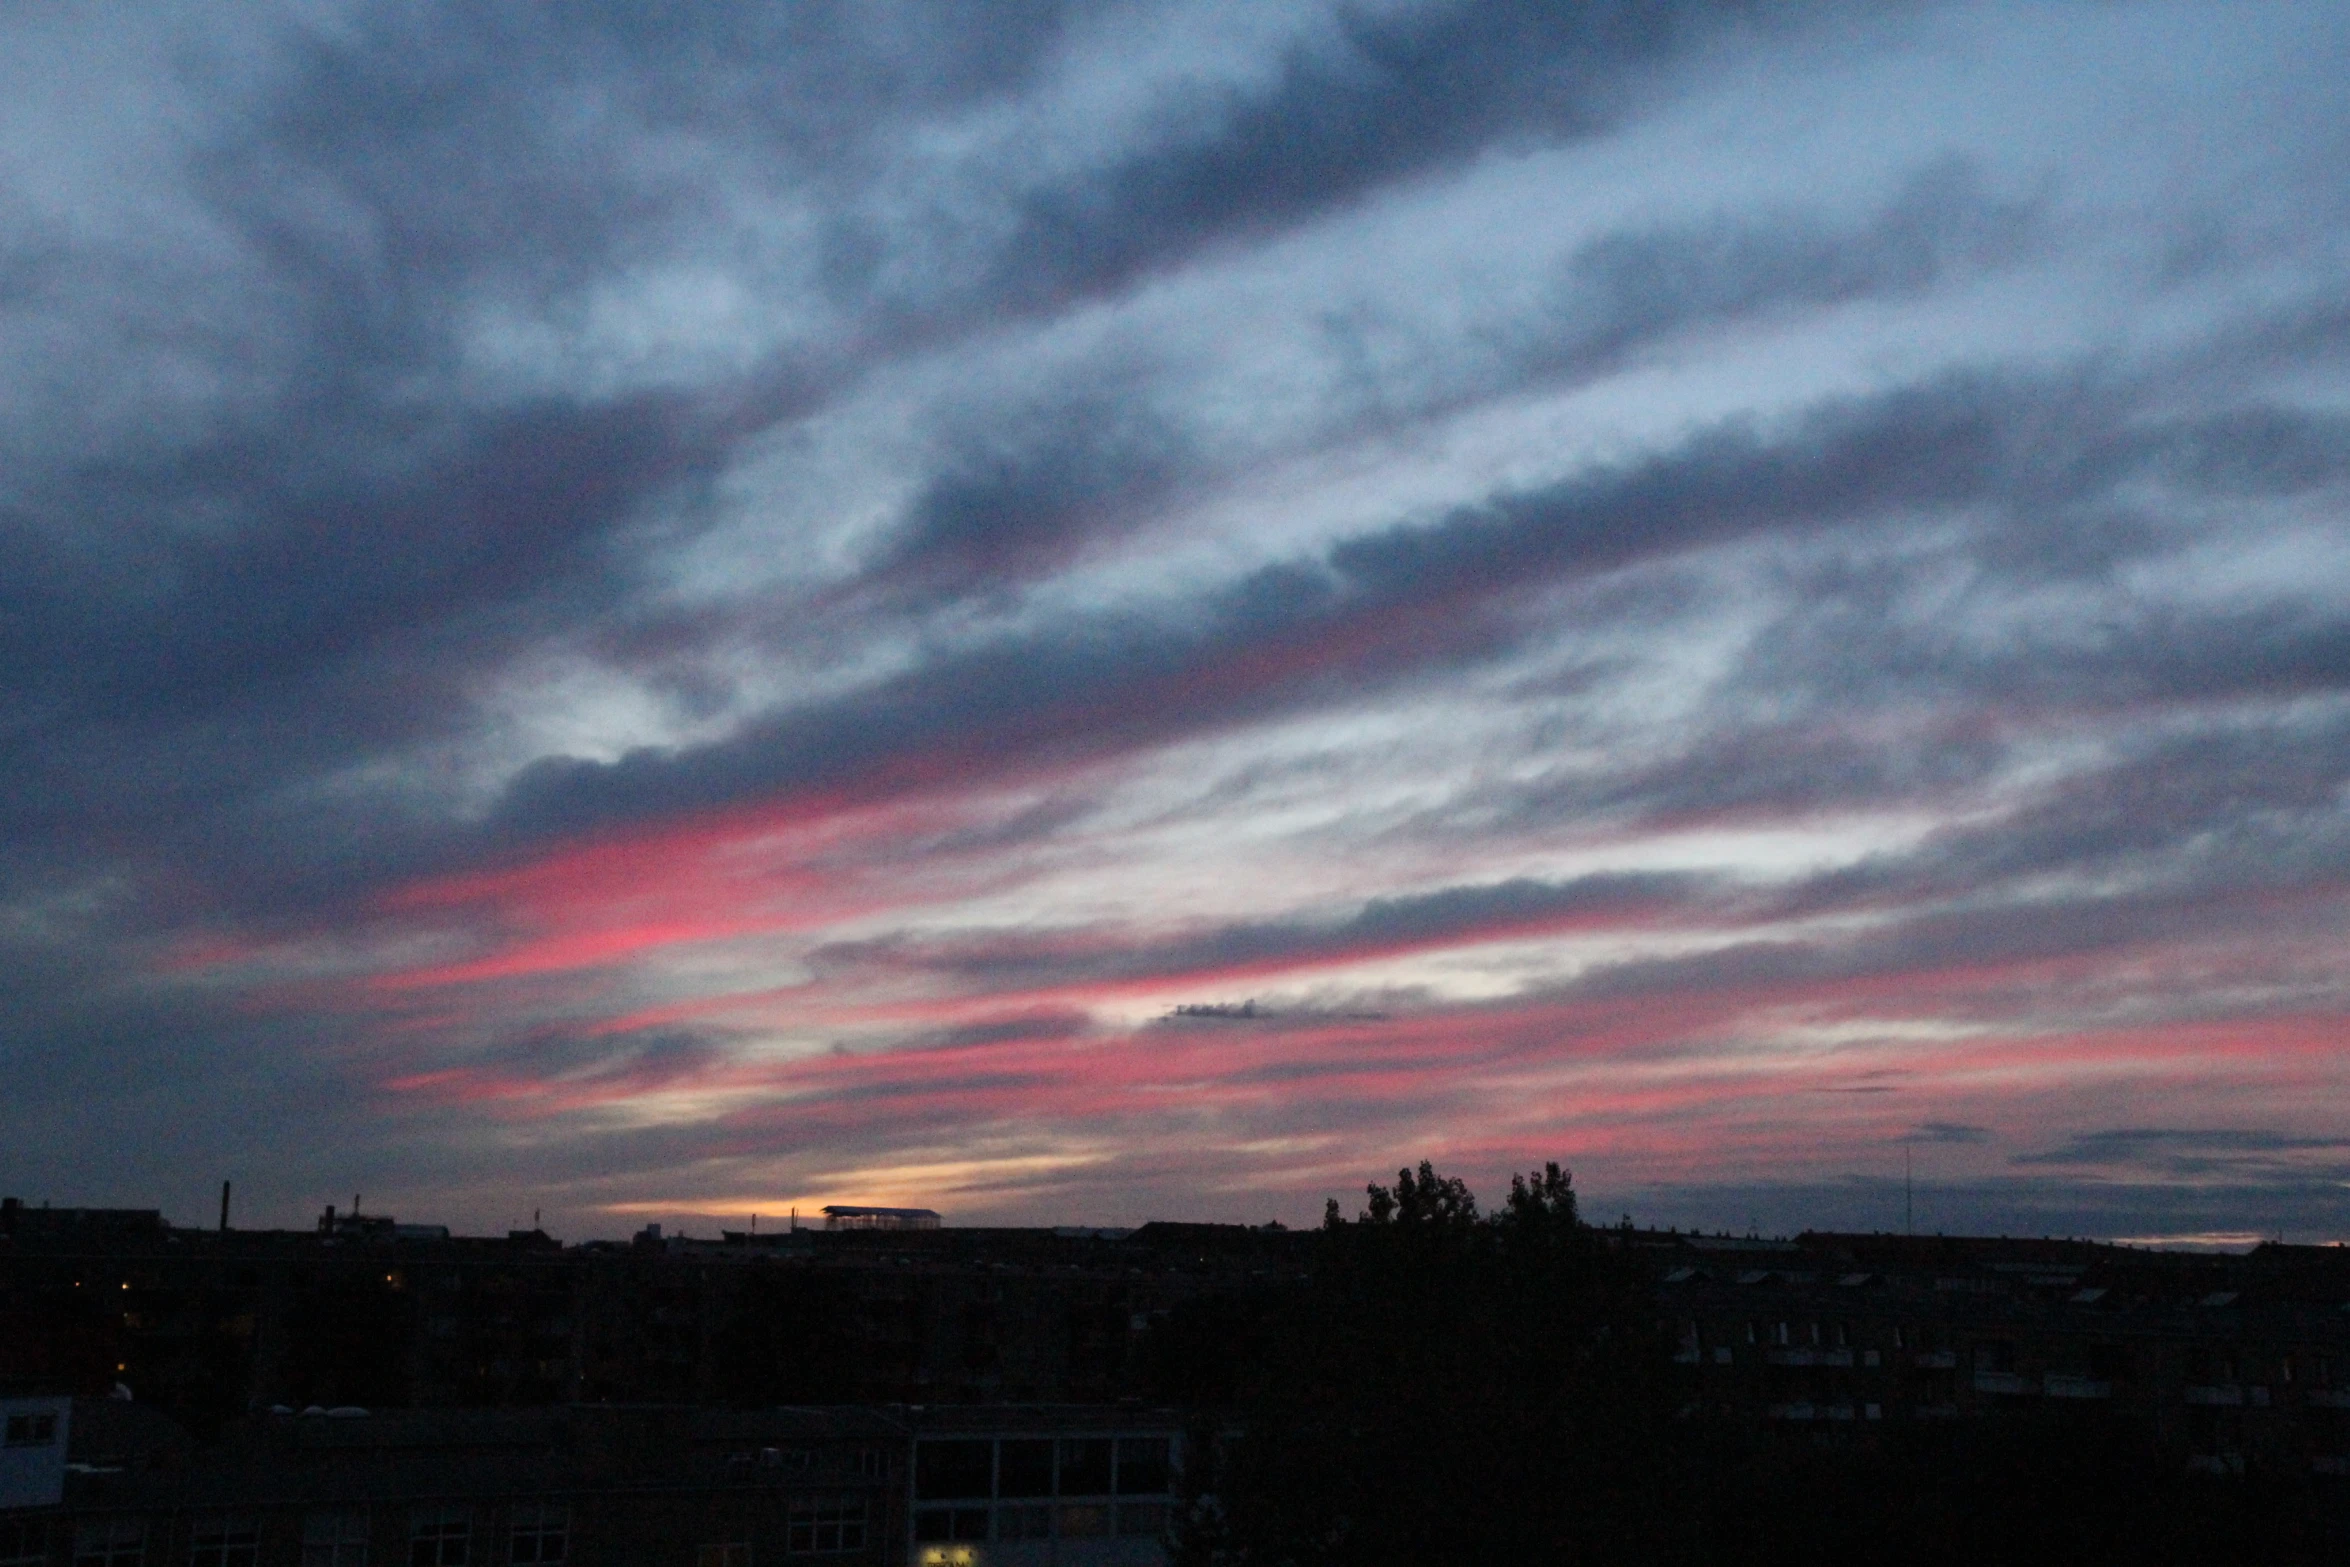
pixel 2075 1387
pixel 1810 1357
pixel 2005 1383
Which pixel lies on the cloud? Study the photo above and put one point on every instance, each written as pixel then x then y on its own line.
pixel 2189 1153
pixel 663 609
pixel 1388 97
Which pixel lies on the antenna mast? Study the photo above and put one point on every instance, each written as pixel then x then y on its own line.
pixel 1909 1216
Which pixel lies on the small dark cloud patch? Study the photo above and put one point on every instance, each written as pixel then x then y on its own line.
pixel 1948 1132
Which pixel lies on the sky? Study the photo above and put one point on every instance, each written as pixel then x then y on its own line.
pixel 1084 613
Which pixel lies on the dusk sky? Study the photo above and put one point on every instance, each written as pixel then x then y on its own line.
pixel 1082 614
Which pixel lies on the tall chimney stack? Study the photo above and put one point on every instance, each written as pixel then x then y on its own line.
pixel 224 1207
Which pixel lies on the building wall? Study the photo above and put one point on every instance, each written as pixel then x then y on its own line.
pixel 34 1433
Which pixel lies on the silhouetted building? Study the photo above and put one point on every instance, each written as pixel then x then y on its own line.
pixel 838 1216
pixel 1026 1486
pixel 2228 1363
pixel 581 1485
pixel 211 1325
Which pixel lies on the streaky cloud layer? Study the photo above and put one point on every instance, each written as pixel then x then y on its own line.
pixel 1103 612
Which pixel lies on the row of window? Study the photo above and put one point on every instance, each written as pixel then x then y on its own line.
pixel 1039 1467
pixel 1041 1521
pixel 866 1461
pixel 823 1525
pixel 535 1536
pixel 37 1429
pixel 2203 1364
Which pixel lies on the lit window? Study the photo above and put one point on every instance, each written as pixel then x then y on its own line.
pixel 224 1541
pixel 335 1539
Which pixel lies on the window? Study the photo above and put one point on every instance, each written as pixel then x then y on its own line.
pixel 733 1553
pixel 1024 1521
pixel 539 1534
pixel 947 1470
pixel 1085 1466
pixel 335 1539
pixel 1084 1523
pixel 221 1540
pixel 1143 1465
pixel 1025 1468
pixel 835 1523
pixel 950 1523
pixel 1142 1518
pixel 37 1429
pixel 439 1537
pixel 110 1542
pixel 24 1542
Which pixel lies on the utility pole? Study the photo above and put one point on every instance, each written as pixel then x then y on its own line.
pixel 1909 1213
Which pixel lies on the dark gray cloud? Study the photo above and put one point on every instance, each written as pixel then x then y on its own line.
pixel 1400 93
pixel 1030 485
pixel 2187 1152
pixel 1402 601
pixel 1520 907
pixel 1629 288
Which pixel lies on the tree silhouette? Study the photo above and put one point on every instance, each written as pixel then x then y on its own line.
pixel 1444 1387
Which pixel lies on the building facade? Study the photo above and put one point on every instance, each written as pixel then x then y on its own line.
pixel 2227 1364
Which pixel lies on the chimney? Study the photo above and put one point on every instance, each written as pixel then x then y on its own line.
pixel 224 1207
